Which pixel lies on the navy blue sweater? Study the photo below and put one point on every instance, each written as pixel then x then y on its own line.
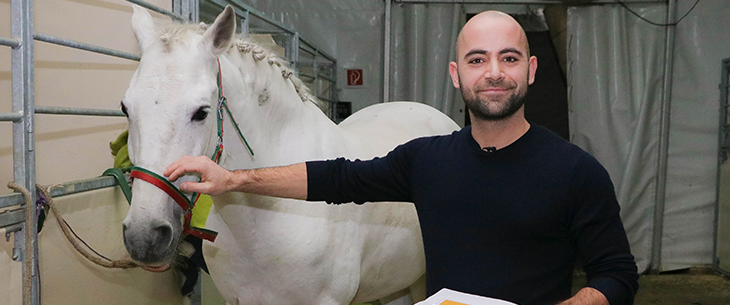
pixel 507 224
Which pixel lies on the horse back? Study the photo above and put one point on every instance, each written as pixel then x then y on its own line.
pixel 382 127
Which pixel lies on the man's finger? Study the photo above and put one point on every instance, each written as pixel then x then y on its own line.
pixel 194 187
pixel 175 165
pixel 182 170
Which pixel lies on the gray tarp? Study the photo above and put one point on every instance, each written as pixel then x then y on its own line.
pixel 615 68
pixel 615 83
pixel 615 86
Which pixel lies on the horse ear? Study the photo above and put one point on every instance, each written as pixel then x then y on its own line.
pixel 218 36
pixel 143 27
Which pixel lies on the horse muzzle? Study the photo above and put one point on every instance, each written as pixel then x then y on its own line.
pixel 151 243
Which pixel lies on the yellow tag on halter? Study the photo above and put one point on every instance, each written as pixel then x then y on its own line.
pixel 201 211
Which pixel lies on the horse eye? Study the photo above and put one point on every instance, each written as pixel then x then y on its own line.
pixel 124 109
pixel 201 114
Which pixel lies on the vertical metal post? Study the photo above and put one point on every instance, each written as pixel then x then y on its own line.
pixel 188 9
pixel 448 96
pixel 386 53
pixel 293 51
pixel 722 154
pixel 315 70
pixel 24 137
pixel 333 88
pixel 245 20
pixel 661 188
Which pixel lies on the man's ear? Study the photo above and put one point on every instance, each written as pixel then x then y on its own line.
pixel 532 70
pixel 218 36
pixel 454 71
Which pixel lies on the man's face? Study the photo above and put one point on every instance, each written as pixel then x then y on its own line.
pixel 494 68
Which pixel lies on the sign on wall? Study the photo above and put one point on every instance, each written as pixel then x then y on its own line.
pixel 354 77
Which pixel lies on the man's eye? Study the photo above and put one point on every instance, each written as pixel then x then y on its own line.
pixel 476 61
pixel 510 59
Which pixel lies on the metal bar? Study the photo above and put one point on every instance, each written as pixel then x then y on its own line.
pixel 14 117
pixel 448 96
pixel 84 46
pixel 14 217
pixel 188 9
pixel 315 83
pixel 326 100
pixel 24 141
pixel 85 185
pixel 157 9
pixel 10 42
pixel 78 111
pixel 318 50
pixel 306 75
pixel 722 133
pixel 268 31
pixel 325 77
pixel 292 51
pixel 658 226
pixel 386 52
pixel 11 200
pixel 254 12
pixel 308 49
pixel 245 26
pixel 68 188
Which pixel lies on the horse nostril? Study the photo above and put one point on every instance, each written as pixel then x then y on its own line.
pixel 164 235
pixel 124 228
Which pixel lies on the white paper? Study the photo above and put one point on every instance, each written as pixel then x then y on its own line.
pixel 446 294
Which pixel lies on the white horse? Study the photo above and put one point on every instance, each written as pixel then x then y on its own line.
pixel 269 250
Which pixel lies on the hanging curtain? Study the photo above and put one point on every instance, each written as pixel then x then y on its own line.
pixel 701 43
pixel 615 68
pixel 422 45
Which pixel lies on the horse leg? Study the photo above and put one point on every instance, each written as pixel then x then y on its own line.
pixel 413 294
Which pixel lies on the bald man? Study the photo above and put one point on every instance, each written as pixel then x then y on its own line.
pixel 505 206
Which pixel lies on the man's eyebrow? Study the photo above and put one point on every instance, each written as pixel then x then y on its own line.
pixel 503 51
pixel 476 51
pixel 511 50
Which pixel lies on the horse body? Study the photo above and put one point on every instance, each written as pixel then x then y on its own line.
pixel 269 250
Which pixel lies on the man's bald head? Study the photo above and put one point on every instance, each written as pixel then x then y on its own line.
pixel 493 67
pixel 484 25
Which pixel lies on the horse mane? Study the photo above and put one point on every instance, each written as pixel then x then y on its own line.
pixel 260 53
pixel 171 32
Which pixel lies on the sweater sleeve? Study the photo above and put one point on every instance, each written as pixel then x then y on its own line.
pixel 380 179
pixel 599 234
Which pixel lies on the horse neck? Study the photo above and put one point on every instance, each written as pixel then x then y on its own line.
pixel 280 127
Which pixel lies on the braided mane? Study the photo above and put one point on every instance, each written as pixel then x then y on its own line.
pixel 175 32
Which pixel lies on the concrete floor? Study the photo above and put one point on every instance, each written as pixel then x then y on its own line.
pixel 696 286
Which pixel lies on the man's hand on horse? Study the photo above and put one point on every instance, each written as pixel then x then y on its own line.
pixel 214 180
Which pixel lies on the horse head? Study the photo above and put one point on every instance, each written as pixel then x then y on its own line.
pixel 171 105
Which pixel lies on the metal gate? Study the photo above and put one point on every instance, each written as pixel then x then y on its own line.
pixel 321 74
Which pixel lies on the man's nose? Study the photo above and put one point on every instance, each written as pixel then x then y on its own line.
pixel 494 70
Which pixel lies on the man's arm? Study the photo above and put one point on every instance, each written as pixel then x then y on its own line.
pixel 285 181
pixel 600 236
pixel 586 296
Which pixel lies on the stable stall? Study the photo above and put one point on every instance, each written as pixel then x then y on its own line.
pixel 636 84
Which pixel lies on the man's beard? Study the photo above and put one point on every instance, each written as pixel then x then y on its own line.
pixel 480 108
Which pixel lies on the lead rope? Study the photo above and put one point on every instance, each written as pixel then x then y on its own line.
pixel 74 239
pixel 28 263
